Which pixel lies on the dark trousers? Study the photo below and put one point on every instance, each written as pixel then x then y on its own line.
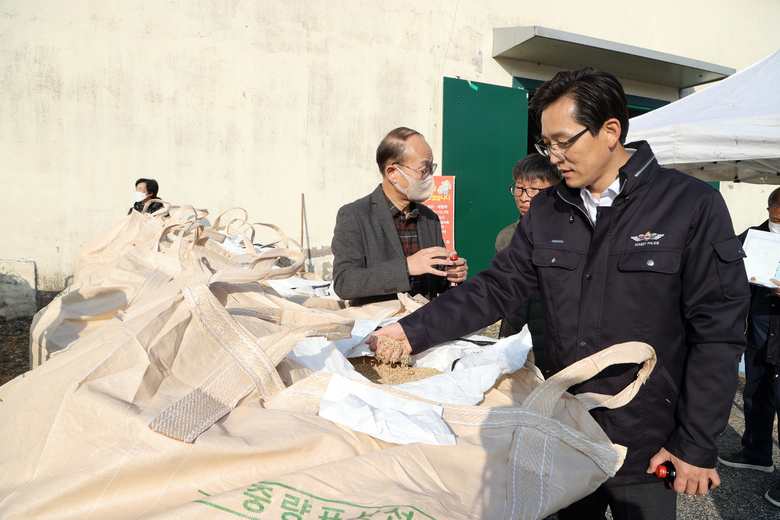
pixel 640 502
pixel 762 401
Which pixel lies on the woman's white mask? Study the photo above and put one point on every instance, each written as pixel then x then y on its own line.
pixel 419 190
pixel 774 228
pixel 140 196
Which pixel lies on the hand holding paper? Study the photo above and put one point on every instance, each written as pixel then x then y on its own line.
pixel 763 258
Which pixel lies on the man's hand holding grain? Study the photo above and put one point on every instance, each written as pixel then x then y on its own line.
pixel 389 351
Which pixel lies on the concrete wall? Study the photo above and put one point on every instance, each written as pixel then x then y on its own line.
pixel 236 102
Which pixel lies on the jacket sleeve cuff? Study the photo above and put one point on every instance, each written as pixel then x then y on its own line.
pixel 415 333
pixel 684 449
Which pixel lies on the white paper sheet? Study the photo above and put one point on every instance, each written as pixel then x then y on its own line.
pixel 383 415
pixel 295 286
pixel 475 372
pixel 763 257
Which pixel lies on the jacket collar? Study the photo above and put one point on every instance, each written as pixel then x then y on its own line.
pixel 383 216
pixel 639 169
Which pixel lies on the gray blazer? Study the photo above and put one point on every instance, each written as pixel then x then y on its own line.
pixel 369 263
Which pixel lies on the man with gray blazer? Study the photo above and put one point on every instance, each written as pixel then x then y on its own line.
pixel 388 241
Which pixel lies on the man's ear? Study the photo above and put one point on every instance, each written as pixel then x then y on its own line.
pixel 391 172
pixel 612 129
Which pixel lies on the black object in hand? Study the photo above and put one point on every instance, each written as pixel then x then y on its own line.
pixel 667 472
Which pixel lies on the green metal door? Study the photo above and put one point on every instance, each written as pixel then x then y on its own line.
pixel 484 133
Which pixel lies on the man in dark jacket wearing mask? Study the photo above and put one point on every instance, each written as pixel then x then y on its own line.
pixel 621 250
pixel 761 395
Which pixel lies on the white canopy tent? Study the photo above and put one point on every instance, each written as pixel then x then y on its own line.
pixel 727 132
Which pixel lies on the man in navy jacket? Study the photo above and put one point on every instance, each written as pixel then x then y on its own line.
pixel 621 250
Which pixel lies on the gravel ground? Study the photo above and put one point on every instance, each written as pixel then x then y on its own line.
pixel 740 496
pixel 14 343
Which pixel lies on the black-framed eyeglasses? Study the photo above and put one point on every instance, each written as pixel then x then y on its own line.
pixel 557 149
pixel 517 191
pixel 430 170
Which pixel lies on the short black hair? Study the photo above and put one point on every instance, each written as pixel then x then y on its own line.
pixel 151 186
pixel 598 96
pixel 536 166
pixel 774 199
pixel 392 149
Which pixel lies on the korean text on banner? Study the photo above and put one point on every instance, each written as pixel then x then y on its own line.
pixel 442 202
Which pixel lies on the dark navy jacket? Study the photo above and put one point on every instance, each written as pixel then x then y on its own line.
pixel 662 266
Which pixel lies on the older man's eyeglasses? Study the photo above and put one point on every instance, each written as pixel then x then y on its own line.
pixel 424 173
pixel 518 191
pixel 557 149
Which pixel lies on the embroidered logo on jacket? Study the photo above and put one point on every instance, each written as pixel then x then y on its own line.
pixel 647 239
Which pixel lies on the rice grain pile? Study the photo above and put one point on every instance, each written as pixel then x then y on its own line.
pixel 395 374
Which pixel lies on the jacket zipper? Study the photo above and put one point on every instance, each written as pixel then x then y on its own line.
pixel 571 214
pixel 623 187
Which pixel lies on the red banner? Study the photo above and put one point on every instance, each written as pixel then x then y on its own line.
pixel 442 202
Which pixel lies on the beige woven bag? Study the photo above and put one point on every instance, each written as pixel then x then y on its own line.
pixel 136 229
pixel 104 288
pixel 120 408
pixel 131 258
pixel 235 444
pixel 175 408
pixel 510 462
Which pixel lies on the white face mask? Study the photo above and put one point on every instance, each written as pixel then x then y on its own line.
pixel 419 190
pixel 774 228
pixel 140 196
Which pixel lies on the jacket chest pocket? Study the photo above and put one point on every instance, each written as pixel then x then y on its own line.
pixel 556 270
pixel 643 279
pixel 556 258
pixel 661 262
